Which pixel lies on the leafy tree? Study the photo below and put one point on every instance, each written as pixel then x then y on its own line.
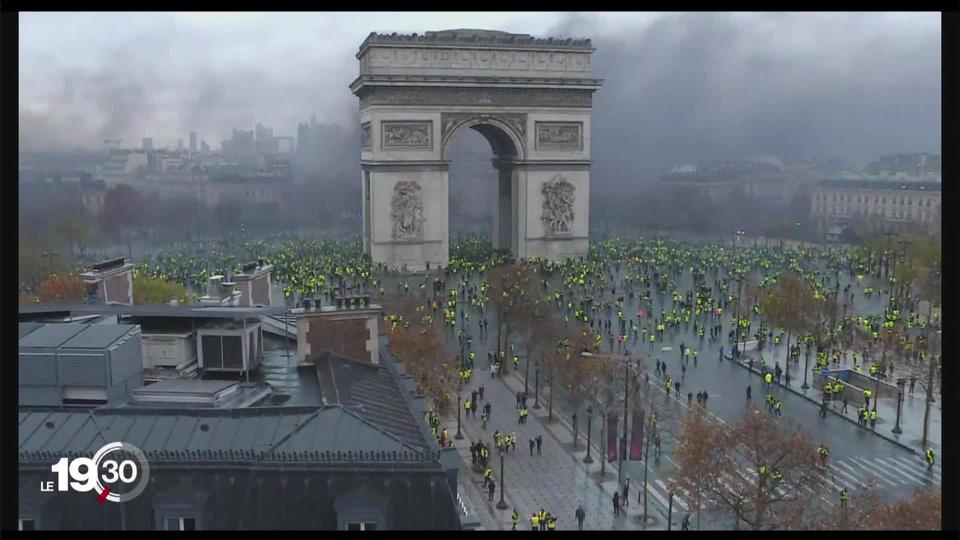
pixel 790 305
pixel 62 288
pixel 74 227
pixel 156 290
pixel 736 466
pixel 512 288
pixel 123 208
pixel 418 340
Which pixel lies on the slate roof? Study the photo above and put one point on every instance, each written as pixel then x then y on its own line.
pixel 27 327
pixel 371 392
pixel 100 336
pixel 194 311
pixel 52 335
pixel 188 433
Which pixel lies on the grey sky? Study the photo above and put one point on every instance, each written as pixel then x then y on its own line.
pixel 678 86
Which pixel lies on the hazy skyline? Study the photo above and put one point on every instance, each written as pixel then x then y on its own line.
pixel 678 86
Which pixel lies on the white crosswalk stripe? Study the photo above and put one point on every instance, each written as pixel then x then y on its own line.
pixel 895 468
pixel 918 468
pixel 879 470
pixel 677 499
pixel 831 482
pixel 849 476
pixel 867 475
pixel 656 495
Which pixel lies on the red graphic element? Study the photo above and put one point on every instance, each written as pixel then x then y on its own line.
pixel 103 495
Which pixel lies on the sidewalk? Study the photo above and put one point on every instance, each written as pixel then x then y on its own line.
pixel 557 481
pixel 911 414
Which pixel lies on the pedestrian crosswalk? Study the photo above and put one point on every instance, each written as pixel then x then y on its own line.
pixel 894 475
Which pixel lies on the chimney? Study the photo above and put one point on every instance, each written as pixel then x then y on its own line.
pixel 213 286
pixel 306 304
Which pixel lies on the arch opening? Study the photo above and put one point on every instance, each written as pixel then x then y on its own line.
pixel 481 192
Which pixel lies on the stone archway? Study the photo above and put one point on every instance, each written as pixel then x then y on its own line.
pixel 530 98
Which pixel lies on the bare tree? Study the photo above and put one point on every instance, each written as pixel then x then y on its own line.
pixel 763 473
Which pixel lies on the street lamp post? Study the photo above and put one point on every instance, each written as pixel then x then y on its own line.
pixel 589 459
pixel 900 385
pixel 623 440
pixel 536 387
pixel 806 367
pixel 459 435
pixel 502 505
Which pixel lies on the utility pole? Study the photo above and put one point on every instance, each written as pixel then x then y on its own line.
pixel 623 444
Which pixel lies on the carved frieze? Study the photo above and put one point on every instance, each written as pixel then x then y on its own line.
pixel 406 210
pixel 407 135
pixel 499 97
pixel 474 59
pixel 559 135
pixel 365 141
pixel 558 213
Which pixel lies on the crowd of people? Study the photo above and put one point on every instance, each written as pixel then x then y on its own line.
pixel 628 295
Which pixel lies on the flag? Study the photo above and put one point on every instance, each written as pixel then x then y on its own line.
pixel 636 436
pixel 612 438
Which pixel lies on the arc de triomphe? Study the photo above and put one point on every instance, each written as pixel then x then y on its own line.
pixel 530 98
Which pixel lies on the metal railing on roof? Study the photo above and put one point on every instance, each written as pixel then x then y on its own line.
pixel 246 455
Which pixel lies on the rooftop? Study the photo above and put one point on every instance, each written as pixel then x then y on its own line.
pixel 186 434
pixel 163 310
pixel 476 37
pixel 52 335
pixel 883 183
pixel 370 391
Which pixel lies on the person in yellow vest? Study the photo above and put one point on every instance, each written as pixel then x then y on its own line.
pixel 535 521
pixel 768 378
pixel 551 523
pixel 867 394
pixel 873 418
pixel 844 497
pixel 543 519
pixel 514 518
pixel 931 458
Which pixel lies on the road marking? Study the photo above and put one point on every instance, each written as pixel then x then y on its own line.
pixel 856 480
pixel 880 471
pixel 917 468
pixel 676 498
pixel 867 474
pixel 894 469
pixel 830 481
pixel 657 495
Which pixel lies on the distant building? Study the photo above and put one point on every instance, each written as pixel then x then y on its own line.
pixel 720 180
pixel 193 141
pixel 303 137
pixel 148 143
pixel 907 165
pixel 878 204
